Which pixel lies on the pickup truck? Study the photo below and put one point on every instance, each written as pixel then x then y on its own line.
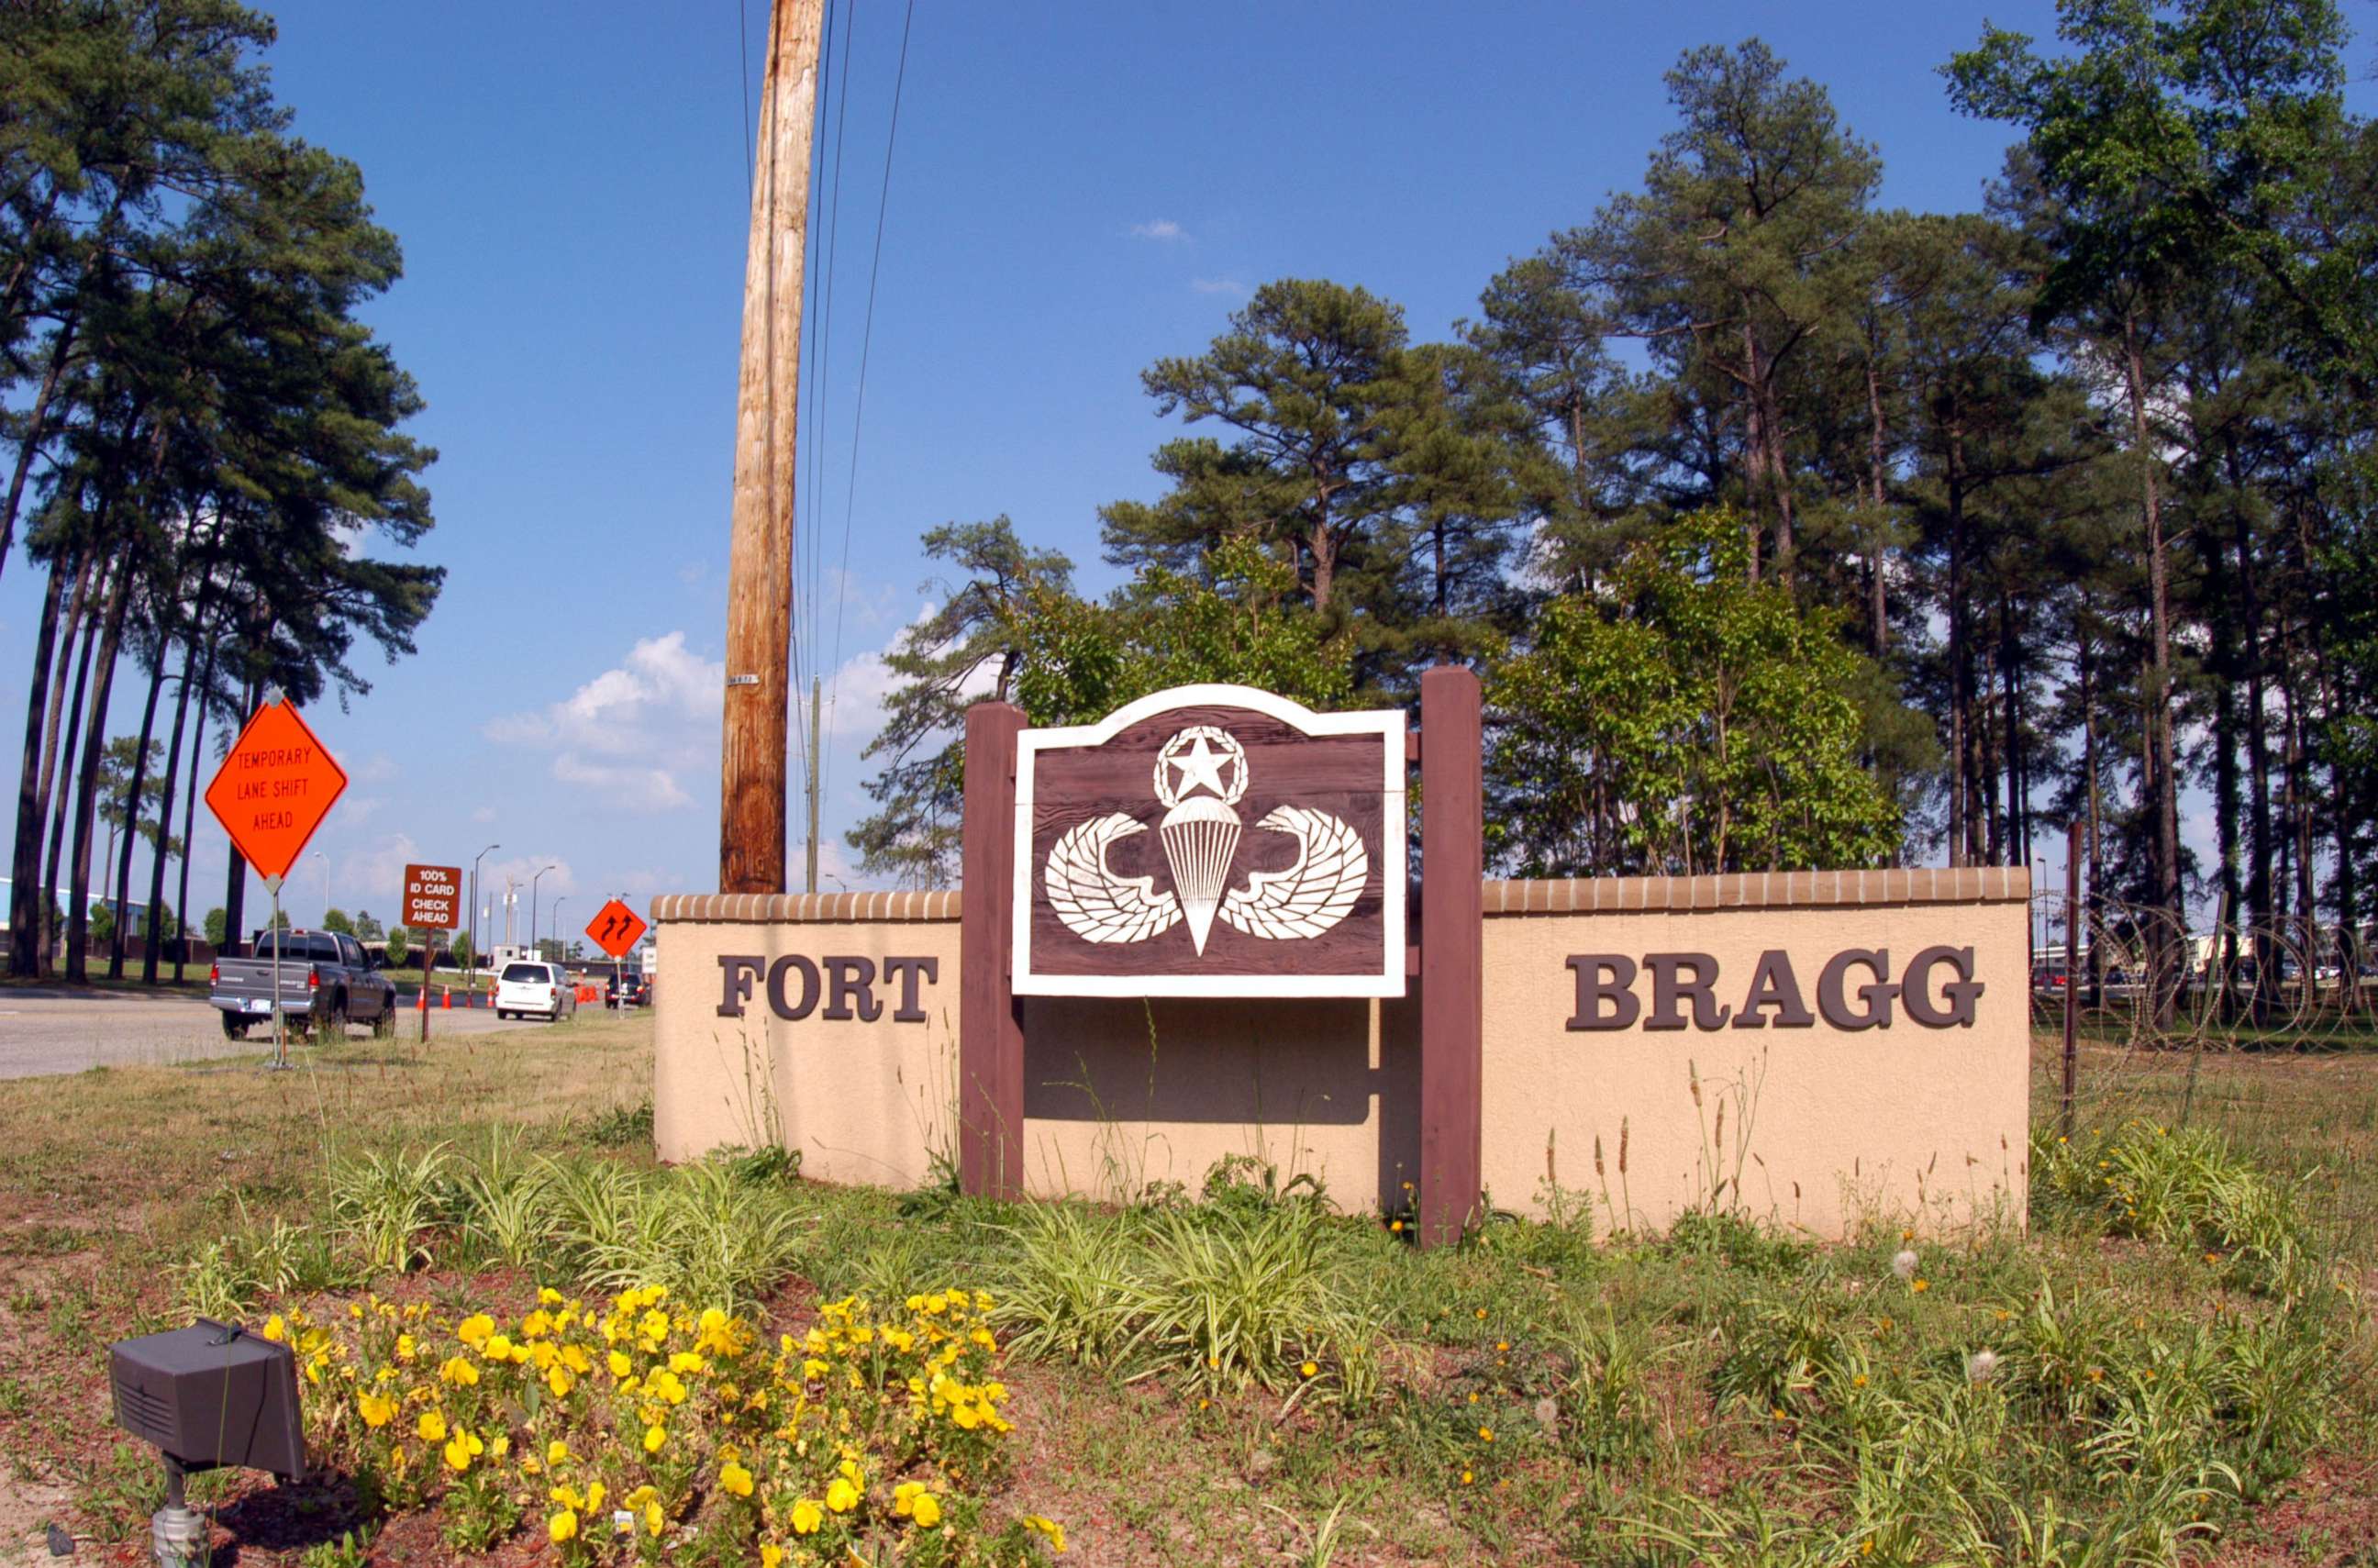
pixel 326 981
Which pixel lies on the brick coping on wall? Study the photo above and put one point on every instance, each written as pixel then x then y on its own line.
pixel 1580 895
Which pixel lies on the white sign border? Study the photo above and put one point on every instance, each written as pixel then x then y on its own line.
pixel 1389 980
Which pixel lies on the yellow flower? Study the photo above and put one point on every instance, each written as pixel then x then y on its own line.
pixel 655 1520
pixel 655 1436
pixel 548 1296
pixel 556 1452
pixel 499 1347
pixel 1049 1527
pixel 377 1410
pixel 558 1381
pixel 276 1328
pixel 620 1366
pixel 1310 1369
pixel 405 1347
pixel 473 1330
pixel 457 1454
pixel 562 1526
pixel 431 1426
pixel 1921 1285
pixel 1485 1434
pixel 1465 1477
pixel 500 1446
pixel 594 1495
pixel 457 1371
pixel 842 1497
pixel 771 1556
pixel 928 1512
pixel 807 1517
pixel 685 1361
pixel 734 1480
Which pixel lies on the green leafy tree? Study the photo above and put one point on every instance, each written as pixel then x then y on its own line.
pixel 336 919
pixel 1733 257
pixel 1248 626
pixel 966 650
pixel 368 929
pixel 101 924
pixel 460 949
pixel 399 944
pixel 1684 720
pixel 217 926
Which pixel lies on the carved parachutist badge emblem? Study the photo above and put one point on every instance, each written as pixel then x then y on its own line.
pixel 1201 773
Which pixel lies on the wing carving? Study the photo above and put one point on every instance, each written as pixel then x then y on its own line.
pixel 1311 896
pixel 1096 904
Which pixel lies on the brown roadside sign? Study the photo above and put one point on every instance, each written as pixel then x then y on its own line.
pixel 274 788
pixel 433 897
pixel 616 928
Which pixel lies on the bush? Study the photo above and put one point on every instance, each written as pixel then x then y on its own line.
pixel 653 1429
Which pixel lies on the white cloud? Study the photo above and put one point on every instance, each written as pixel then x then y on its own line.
pixel 359 809
pixel 484 813
pixel 641 788
pixel 1164 231
pixel 377 769
pixel 377 874
pixel 1217 285
pixel 633 731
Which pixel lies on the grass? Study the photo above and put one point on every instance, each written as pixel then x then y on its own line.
pixel 2172 1365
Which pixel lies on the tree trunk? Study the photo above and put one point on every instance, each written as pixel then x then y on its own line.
pixel 2086 661
pixel 2166 799
pixel 25 950
pixel 59 796
pixel 94 742
pixel 235 872
pixel 1876 588
pixel 190 804
pixel 29 442
pixel 165 826
pixel 138 781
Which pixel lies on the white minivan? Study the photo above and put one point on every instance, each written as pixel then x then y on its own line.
pixel 532 989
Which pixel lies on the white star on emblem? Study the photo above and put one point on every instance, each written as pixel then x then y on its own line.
pixel 1202 764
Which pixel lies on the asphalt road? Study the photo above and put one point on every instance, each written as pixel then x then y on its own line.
pixel 47 1030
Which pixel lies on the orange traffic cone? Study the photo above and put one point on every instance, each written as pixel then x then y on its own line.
pixel 449 994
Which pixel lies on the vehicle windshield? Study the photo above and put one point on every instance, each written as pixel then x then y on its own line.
pixel 532 973
pixel 308 944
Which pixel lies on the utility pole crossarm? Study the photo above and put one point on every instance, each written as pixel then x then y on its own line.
pixel 753 753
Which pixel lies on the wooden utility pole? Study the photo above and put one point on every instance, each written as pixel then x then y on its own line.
pixel 754 750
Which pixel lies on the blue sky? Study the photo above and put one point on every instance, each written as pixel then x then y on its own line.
pixel 1077 190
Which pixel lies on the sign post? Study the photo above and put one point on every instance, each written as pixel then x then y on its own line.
pixel 430 895
pixel 272 792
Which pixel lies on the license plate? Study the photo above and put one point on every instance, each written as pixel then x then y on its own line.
pixel 255 1006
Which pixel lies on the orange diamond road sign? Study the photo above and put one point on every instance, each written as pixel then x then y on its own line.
pixel 274 789
pixel 616 928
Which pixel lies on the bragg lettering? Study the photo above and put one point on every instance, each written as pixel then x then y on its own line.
pixel 1853 991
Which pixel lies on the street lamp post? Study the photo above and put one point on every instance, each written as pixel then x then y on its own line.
pixel 560 948
pixel 532 905
pixel 326 887
pixel 472 999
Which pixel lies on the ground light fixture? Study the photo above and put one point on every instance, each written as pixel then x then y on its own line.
pixel 208 1396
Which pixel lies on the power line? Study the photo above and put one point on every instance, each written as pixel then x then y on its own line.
pixel 832 250
pixel 743 46
pixel 866 344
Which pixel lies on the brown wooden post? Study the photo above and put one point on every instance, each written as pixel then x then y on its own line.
pixel 2072 975
pixel 752 756
pixel 990 1024
pixel 1452 952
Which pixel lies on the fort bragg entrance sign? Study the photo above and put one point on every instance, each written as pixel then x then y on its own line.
pixel 1189 932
